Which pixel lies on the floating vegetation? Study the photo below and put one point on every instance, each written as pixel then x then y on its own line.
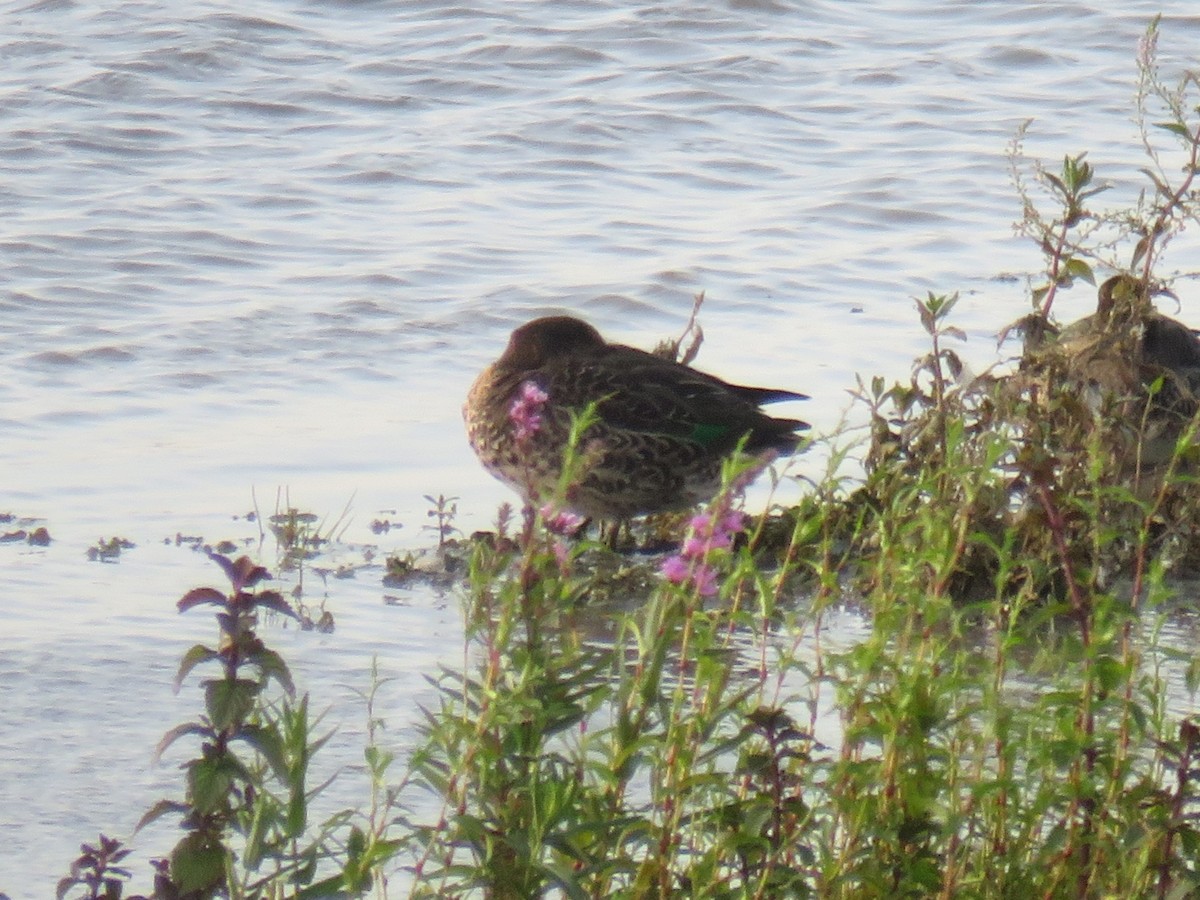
pixel 109 550
pixel 383 526
pixel 299 535
pixel 295 534
pixel 26 532
pixel 442 510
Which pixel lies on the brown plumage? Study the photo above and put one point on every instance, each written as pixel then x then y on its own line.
pixel 661 433
pixel 1124 349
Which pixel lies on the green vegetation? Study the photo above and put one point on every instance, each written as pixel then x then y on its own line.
pixel 999 730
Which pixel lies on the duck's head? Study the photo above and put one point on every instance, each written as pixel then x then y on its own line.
pixel 1119 297
pixel 536 342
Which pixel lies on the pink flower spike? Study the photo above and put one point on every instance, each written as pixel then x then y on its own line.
pixel 734 522
pixel 560 521
pixel 525 411
pixel 705 580
pixel 693 548
pixel 720 541
pixel 562 555
pixel 675 569
pixel 532 393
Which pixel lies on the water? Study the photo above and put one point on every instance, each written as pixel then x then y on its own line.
pixel 270 249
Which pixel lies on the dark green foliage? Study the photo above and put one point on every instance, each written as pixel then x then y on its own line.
pixel 96 872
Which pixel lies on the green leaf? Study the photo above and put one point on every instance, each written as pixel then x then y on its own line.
pixel 1088 194
pixel 1175 128
pixel 378 760
pixel 271 665
pixel 264 814
pixel 197 865
pixel 297 811
pixel 1110 673
pixel 1139 251
pixel 267 741
pixel 229 703
pixel 927 317
pixel 1191 675
pixel 1077 268
pixel 209 783
pixel 335 886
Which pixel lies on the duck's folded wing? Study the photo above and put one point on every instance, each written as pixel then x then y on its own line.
pixel 640 393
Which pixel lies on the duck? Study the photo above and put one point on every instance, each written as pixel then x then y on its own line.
pixel 1128 349
pixel 659 437
pixel 1157 344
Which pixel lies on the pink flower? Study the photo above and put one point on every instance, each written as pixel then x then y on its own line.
pixel 708 531
pixel 696 572
pixel 560 521
pixel 562 556
pixel 675 569
pixel 733 522
pixel 720 540
pixel 712 532
pixel 705 579
pixel 525 412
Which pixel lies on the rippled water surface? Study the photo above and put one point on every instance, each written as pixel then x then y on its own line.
pixel 269 248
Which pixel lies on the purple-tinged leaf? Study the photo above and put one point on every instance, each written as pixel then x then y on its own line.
pixel 249 573
pixel 227 623
pixel 242 572
pixel 198 654
pixel 226 565
pixel 160 809
pixel 275 600
pixel 197 596
pixel 179 731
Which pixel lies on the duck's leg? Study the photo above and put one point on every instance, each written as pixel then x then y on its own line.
pixel 611 534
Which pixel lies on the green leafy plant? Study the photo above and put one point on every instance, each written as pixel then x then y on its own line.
pixel 245 808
